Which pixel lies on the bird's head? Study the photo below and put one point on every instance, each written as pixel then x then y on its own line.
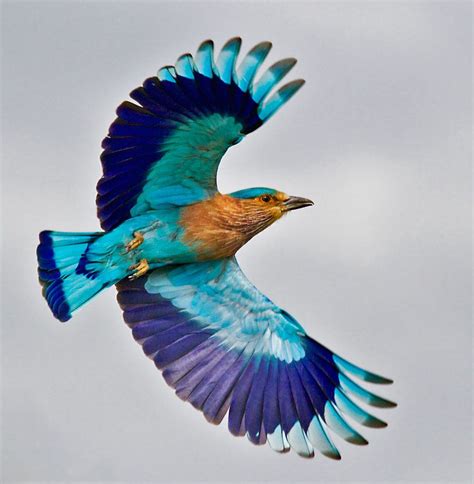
pixel 262 206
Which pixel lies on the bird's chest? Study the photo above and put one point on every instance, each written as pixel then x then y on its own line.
pixel 209 231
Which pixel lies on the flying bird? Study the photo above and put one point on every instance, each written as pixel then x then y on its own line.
pixel 169 241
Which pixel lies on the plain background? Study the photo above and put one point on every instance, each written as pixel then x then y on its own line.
pixel 378 270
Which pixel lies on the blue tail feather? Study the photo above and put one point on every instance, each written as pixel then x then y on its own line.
pixel 67 284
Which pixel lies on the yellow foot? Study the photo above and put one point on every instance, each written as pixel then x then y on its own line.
pixel 140 269
pixel 135 242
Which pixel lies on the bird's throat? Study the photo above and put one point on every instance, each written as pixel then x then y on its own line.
pixel 220 226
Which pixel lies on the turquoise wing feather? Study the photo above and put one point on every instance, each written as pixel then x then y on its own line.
pixel 226 348
pixel 166 149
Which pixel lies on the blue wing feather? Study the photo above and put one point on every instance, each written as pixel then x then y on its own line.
pixel 250 65
pixel 158 142
pixel 167 74
pixel 207 372
pixel 278 99
pixel 218 402
pixel 240 396
pixel 185 66
pixel 277 384
pixel 271 78
pixel 192 385
pixel 205 59
pixel 254 405
pixel 271 408
pixel 227 58
pixel 285 399
pixel 302 403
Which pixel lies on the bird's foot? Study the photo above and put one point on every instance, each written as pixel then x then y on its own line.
pixel 135 242
pixel 140 269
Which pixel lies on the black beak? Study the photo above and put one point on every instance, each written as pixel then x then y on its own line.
pixel 294 203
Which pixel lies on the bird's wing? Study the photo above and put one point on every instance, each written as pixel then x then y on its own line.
pixel 166 149
pixel 224 346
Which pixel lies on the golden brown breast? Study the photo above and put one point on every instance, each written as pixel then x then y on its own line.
pixel 219 227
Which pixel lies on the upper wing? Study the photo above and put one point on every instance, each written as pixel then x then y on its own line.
pixel 167 149
pixel 224 346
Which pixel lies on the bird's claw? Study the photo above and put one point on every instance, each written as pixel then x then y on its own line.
pixel 140 269
pixel 135 242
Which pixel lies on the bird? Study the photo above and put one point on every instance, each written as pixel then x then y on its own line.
pixel 168 243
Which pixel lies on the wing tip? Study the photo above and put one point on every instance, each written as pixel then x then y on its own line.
pixel 205 44
pixel 264 44
pixel 332 455
pixel 298 82
pixel 375 423
pixel 357 440
pixel 233 40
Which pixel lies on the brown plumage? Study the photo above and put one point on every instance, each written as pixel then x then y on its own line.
pixel 219 227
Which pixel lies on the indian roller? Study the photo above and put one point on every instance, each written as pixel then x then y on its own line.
pixel 168 244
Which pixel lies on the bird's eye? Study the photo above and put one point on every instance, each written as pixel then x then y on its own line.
pixel 265 198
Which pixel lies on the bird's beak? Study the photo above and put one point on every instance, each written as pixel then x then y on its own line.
pixel 294 203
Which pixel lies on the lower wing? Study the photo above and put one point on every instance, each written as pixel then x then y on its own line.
pixel 226 348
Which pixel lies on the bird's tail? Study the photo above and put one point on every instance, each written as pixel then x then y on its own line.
pixel 68 277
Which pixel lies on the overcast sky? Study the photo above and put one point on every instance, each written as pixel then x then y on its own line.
pixel 378 269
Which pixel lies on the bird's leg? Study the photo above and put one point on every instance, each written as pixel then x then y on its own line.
pixel 135 242
pixel 140 269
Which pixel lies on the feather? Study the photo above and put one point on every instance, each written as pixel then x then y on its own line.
pixel 195 107
pixel 271 78
pixel 250 65
pixel 225 348
pixel 226 60
pixel 254 405
pixel 365 375
pixel 277 100
pixel 362 394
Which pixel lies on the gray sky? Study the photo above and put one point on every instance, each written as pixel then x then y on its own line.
pixel 378 270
